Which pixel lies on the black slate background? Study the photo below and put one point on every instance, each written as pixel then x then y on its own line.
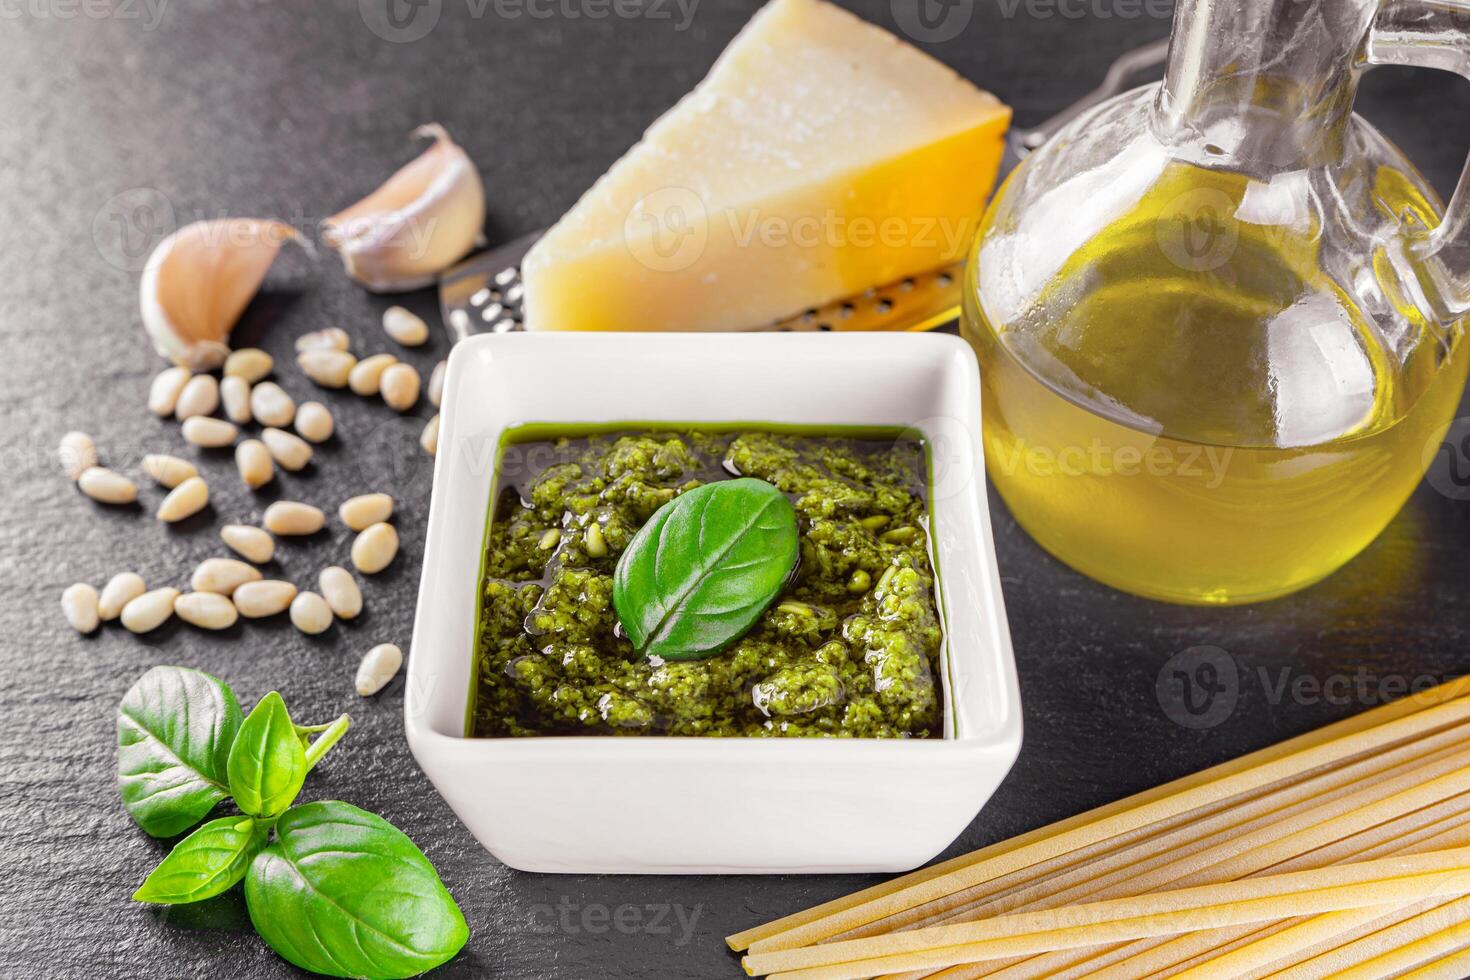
pixel 121 120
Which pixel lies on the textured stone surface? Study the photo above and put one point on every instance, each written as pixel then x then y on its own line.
pixel 230 107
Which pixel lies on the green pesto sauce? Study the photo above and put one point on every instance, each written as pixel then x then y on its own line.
pixel 850 647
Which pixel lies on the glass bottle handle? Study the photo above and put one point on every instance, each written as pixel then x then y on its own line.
pixel 1434 34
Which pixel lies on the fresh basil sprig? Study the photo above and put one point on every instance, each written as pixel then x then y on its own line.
pixel 697 576
pixel 338 891
pixel 267 764
pixel 208 862
pixel 316 895
pixel 175 728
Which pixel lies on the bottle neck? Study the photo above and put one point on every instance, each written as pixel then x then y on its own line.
pixel 1262 86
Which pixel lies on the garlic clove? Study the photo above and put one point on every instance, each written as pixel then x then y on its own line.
pixel 198 281
pixel 424 219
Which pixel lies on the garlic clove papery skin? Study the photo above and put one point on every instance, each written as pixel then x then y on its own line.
pixel 200 279
pixel 427 217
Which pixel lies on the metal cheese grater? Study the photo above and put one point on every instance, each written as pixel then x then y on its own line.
pixel 483 294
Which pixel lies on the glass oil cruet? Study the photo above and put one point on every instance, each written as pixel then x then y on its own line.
pixel 1219 318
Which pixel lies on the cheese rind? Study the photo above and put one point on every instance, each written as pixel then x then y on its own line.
pixel 820 156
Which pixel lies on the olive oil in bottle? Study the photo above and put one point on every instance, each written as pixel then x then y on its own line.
pixel 1190 408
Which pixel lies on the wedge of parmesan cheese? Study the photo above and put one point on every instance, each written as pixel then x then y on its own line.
pixel 820 156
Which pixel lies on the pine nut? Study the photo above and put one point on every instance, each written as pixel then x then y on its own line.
pixel 292 518
pixel 436 383
pixel 222 576
pixel 107 487
pixel 168 471
pixel 290 451
pixel 120 590
pixel 271 404
pixel 327 366
pixel 149 611
pixel 79 605
pixel 365 378
pixel 249 364
pixel 257 600
pixel 250 543
pixel 163 393
pixel 328 338
pixel 254 462
pixel 310 613
pixel 209 433
pixel 314 422
pixel 234 392
pixel 78 453
pixel 400 387
pixel 360 513
pixel 199 397
pixel 340 590
pixel 429 438
pixel 378 668
pixel 185 500
pixel 374 548
pixel 206 610
pixel 594 543
pixel 406 327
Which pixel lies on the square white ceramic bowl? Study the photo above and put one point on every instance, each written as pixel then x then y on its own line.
pixel 709 805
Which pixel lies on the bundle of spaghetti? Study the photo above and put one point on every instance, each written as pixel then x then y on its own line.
pixel 1386 881
pixel 1390 784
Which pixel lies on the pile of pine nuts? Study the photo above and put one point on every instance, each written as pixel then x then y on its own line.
pixel 223 590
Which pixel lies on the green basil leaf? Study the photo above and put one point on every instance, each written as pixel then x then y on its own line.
pixel 344 893
pixel 267 762
pixel 174 732
pixel 206 863
pixel 697 576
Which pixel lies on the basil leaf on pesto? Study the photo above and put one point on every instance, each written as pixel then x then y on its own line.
pixel 697 576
